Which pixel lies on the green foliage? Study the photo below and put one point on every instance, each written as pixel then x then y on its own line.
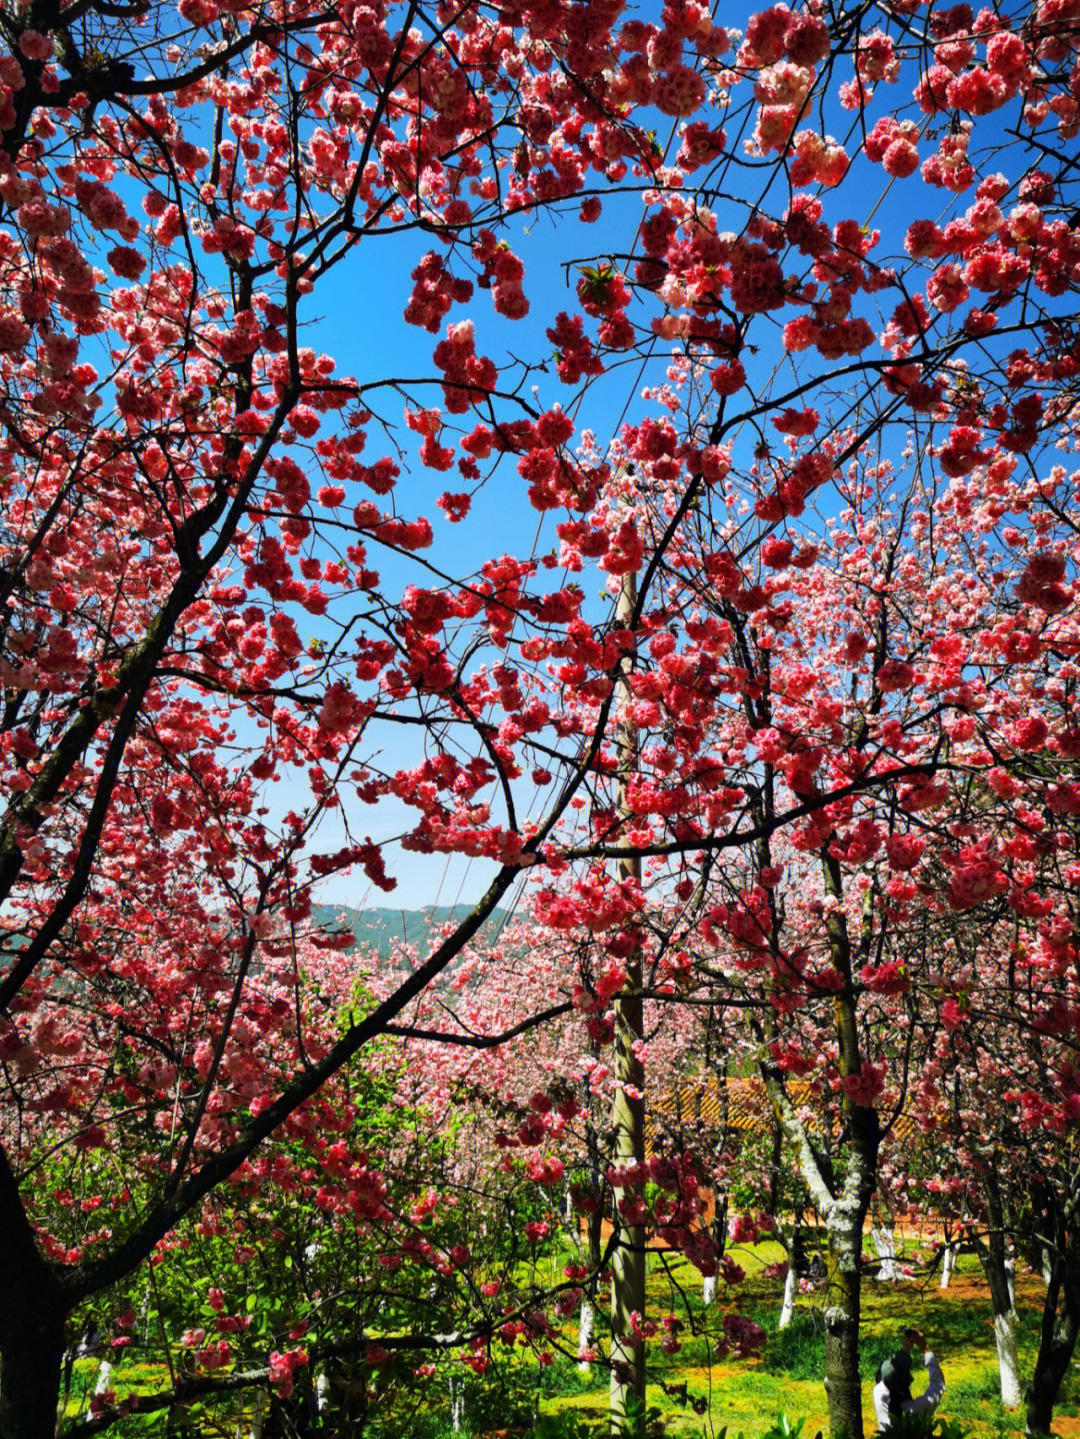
pixel 565 1377
pixel 564 1425
pixel 645 1418
pixel 950 1429
pixel 926 1426
pixel 797 1351
pixel 783 1428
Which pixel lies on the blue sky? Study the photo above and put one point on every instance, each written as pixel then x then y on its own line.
pixel 356 315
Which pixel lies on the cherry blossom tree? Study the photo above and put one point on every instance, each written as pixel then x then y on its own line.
pixel 998 1088
pixel 832 916
pixel 219 576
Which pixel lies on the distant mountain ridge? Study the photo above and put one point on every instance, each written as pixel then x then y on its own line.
pixel 383 928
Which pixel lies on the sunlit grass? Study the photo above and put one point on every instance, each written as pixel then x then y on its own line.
pixel 747 1395
pixel 742 1395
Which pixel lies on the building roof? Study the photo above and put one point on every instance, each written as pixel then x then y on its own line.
pixel 740 1105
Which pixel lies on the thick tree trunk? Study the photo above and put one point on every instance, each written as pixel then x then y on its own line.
pixel 259 1409
pixel 30 1382
pixel 32 1318
pixel 1008 1359
pixel 843 1380
pixel 994 1256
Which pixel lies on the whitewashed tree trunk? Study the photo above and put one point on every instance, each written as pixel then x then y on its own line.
pixel 1008 1362
pixel 1010 1280
pixel 104 1371
pixel 322 1390
pixel 885 1244
pixel 457 1406
pixel 144 1313
pixel 586 1329
pixel 259 1411
pixel 1047 1265
pixel 787 1309
pixel 948 1264
pixel 708 1290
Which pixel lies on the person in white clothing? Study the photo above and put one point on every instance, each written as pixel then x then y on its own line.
pixel 892 1387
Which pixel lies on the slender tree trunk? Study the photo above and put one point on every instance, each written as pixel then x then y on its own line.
pixel 594 1226
pixel 844 1218
pixel 1051 1367
pixel 843 1380
pixel 457 1406
pixel 628 1255
pixel 1057 1341
pixel 627 1401
pixel 842 1203
pixel 322 1391
pixel 719 1234
pixel 776 1171
pixel 586 1329
pixel 65 1385
pixel 1046 1264
pixel 948 1264
pixel 787 1308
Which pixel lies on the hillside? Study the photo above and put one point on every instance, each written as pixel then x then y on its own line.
pixel 385 928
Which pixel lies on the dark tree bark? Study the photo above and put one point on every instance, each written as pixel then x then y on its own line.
pixel 627 1395
pixel 1060 1325
pixel 30 1380
pixel 31 1331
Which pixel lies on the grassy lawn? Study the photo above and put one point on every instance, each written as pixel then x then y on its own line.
pixel 744 1396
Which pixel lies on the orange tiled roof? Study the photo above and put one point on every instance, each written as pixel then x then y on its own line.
pixel 739 1104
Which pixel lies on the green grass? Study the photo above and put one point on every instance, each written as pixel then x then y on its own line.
pixel 743 1395
pixel 747 1395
